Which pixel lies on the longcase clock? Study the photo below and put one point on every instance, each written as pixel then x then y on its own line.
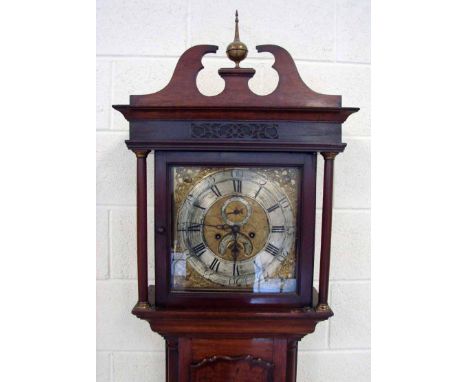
pixel 235 205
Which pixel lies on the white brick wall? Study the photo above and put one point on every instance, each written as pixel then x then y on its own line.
pixel 138 43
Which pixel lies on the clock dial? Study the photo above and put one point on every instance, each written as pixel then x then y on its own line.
pixel 235 228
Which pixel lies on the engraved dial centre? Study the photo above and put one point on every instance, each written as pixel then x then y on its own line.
pixel 247 232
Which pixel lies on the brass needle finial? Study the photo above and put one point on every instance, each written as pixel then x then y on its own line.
pixel 236 34
pixel 237 50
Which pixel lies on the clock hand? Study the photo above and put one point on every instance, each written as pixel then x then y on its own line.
pixel 235 248
pixel 235 212
pixel 218 226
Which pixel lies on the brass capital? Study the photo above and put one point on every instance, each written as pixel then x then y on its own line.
pixel 141 153
pixel 329 155
pixel 142 305
pixel 323 308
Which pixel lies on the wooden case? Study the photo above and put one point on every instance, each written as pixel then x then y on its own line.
pixel 233 336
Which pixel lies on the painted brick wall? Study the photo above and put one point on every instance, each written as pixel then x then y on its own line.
pixel 138 42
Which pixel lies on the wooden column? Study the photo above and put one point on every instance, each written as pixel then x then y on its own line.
pixel 142 229
pixel 327 213
pixel 291 361
pixel 172 359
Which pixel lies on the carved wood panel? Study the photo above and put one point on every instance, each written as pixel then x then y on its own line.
pixel 235 130
pixel 232 369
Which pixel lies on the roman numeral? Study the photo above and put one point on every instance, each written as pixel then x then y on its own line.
pixel 215 190
pixel 193 227
pixel 284 202
pixel 198 206
pixel 272 208
pixel 199 249
pixel 278 228
pixel 258 191
pixel 237 184
pixel 215 265
pixel 236 270
pixel 271 249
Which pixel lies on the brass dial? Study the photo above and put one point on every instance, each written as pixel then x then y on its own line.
pixel 236 227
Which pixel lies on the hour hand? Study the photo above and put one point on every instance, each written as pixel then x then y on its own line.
pixel 218 226
pixel 197 226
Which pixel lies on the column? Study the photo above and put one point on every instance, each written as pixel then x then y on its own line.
pixel 327 213
pixel 142 229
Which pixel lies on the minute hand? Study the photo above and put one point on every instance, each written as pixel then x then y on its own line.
pixel 235 252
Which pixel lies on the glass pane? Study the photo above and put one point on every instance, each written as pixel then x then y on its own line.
pixel 234 228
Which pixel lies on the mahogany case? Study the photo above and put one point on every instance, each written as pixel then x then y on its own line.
pixel 222 336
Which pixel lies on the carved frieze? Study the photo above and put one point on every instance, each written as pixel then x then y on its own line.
pixel 208 130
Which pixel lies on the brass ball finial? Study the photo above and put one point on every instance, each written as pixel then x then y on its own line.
pixel 237 50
